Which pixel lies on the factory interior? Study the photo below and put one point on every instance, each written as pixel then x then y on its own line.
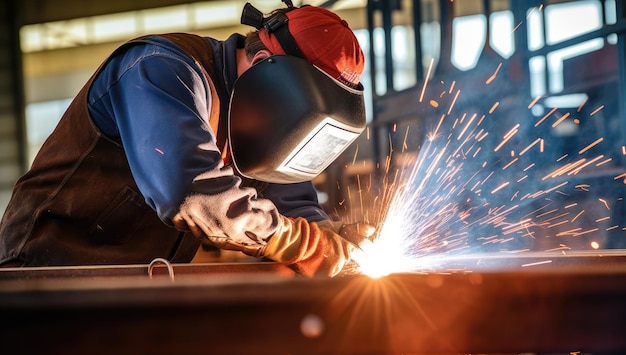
pixel 495 149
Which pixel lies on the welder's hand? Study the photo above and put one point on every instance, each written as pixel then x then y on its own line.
pixel 235 219
pixel 313 250
pixel 232 220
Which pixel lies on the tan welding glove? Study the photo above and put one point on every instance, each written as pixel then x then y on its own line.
pixel 313 250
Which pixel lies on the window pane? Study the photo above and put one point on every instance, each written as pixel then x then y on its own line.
pixel 217 13
pixel 114 27
pixel 165 18
pixel 564 21
pixel 468 40
pixel 502 33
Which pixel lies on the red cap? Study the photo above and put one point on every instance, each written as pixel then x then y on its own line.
pixel 325 40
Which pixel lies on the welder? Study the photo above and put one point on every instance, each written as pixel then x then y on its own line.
pixel 178 140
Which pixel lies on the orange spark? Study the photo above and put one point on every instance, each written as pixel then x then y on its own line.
pixel 619 176
pixel 493 108
pixel 493 76
pixel 537 263
pixel 546 213
pixel 430 67
pixel 481 137
pixel 545 116
pixel 507 136
pixel 584 187
pixel 582 104
pixel 605 203
pixel 561 119
pixel 481 120
pixel 529 146
pixel 487 178
pixel 586 232
pixel 406 134
pixel 556 187
pixel 568 232
pixel 596 110
pixel 356 151
pixel 476 152
pixel 466 126
pixel 578 215
pixel 562 247
pixel 533 9
pixel 557 217
pixel 604 161
pixel 586 164
pixel 510 163
pixel 454 101
pixel 591 145
pixel 534 101
pixel 557 224
pixel 439 124
pixel 500 187
pixel 565 169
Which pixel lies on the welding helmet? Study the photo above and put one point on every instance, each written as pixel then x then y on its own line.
pixel 290 119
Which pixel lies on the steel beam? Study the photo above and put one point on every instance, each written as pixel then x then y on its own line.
pixel 559 310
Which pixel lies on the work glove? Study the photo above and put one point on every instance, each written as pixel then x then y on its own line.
pixel 309 248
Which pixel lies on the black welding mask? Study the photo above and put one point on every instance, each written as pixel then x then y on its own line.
pixel 289 120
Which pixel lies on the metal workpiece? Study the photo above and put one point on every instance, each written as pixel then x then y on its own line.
pixel 551 310
pixel 120 272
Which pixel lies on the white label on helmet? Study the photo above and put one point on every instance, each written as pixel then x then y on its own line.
pixel 319 148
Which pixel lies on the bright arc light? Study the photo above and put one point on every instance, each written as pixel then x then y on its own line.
pixel 387 254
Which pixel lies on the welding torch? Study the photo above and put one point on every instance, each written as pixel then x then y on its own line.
pixel 360 234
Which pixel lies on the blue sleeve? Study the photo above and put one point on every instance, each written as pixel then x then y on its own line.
pixel 296 200
pixel 160 106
